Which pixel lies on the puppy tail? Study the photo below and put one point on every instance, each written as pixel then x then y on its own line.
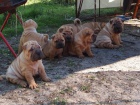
pixel 77 21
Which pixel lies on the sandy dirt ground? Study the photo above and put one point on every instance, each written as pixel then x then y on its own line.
pixel 112 77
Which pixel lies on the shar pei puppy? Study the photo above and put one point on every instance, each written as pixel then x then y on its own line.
pixel 68 31
pixel 54 47
pixel 109 36
pixel 30 33
pixel 27 65
pixel 82 43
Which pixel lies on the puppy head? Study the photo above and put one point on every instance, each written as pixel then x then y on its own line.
pixel 58 40
pixel 30 23
pixel 117 25
pixel 87 34
pixel 67 32
pixel 32 51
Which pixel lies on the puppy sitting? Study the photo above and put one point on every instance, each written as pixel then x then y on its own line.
pixel 82 43
pixel 54 47
pixel 68 31
pixel 109 36
pixel 30 33
pixel 68 35
pixel 27 65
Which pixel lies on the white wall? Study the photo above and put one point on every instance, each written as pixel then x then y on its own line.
pixel 89 4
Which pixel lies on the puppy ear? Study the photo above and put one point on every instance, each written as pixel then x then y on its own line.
pixel 61 29
pixel 46 37
pixel 24 46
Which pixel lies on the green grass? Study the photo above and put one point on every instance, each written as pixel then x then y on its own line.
pixel 47 13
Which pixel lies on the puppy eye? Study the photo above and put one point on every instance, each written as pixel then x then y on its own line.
pixel 64 33
pixel 56 41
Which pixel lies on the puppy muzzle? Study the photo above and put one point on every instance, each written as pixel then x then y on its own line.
pixel 68 39
pixel 37 55
pixel 117 28
pixel 59 45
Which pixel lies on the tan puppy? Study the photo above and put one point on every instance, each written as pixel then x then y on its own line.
pixel 54 47
pixel 27 65
pixel 30 33
pixel 109 36
pixel 82 43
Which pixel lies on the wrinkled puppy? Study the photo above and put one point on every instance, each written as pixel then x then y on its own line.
pixel 27 65
pixel 68 31
pixel 68 35
pixel 109 36
pixel 95 26
pixel 30 33
pixel 82 43
pixel 54 47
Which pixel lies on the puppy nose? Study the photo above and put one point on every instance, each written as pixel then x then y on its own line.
pixel 38 52
pixel 68 38
pixel 60 45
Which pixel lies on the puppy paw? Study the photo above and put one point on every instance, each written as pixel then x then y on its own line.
pixel 81 56
pixel 121 42
pixel 47 79
pixel 116 46
pixel 23 84
pixel 33 85
pixel 60 56
pixel 91 55
pixel 121 45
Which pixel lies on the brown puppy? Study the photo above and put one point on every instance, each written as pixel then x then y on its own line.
pixel 30 33
pixel 82 43
pixel 54 47
pixel 109 36
pixel 68 35
pixel 27 65
pixel 68 31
